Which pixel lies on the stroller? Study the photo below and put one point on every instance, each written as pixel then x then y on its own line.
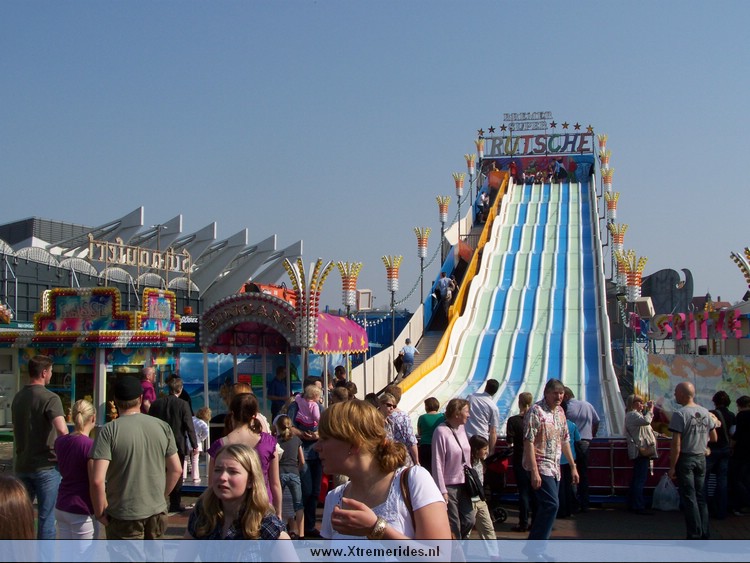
pixel 496 467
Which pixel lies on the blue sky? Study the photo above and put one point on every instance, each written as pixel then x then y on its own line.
pixel 339 122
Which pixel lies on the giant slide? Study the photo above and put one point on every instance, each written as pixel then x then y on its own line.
pixel 535 310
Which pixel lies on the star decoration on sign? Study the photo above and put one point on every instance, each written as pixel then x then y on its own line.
pixel 480 132
pixel 491 129
pixel 503 128
pixel 590 129
pixel 577 126
pixel 565 125
pixel 553 124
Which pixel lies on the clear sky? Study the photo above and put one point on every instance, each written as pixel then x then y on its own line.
pixel 338 123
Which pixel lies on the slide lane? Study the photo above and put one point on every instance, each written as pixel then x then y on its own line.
pixel 549 344
pixel 571 372
pixel 503 295
pixel 593 389
pixel 512 369
pixel 508 328
pixel 473 348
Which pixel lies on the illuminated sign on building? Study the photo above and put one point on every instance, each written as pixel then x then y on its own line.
pixel 701 324
pixel 119 254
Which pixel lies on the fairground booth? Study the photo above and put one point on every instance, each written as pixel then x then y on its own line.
pixel 245 337
pixel 93 341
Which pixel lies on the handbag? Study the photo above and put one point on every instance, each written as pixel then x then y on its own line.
pixel 647 450
pixel 472 483
pixel 398 362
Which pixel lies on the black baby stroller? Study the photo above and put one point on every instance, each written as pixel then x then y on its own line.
pixel 496 468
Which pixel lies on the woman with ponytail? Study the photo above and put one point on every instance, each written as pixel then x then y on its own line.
pixel 372 504
pixel 247 430
pixel 73 510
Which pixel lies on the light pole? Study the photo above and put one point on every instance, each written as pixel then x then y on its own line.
pixel 622 305
pixel 423 233
pixel 479 143
pixel 392 264
pixel 471 160
pixel 349 272
pixel 443 201
pixel 458 177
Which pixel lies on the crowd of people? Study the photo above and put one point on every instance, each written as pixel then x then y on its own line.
pixel 383 479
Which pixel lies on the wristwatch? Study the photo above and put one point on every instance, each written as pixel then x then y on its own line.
pixel 378 530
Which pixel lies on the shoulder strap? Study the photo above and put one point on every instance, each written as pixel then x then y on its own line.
pixel 631 437
pixel 723 424
pixel 406 495
pixel 463 458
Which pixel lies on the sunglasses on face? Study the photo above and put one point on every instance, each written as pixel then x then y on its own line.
pixel 389 405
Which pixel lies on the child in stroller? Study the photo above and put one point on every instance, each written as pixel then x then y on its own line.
pixel 495 480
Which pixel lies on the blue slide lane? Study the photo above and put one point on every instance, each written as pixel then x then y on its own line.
pixel 494 324
pixel 519 357
pixel 508 396
pixel 592 364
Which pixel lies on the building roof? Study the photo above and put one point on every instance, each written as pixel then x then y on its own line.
pixel 213 268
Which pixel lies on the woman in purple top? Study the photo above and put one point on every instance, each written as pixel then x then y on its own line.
pixel 246 429
pixel 74 511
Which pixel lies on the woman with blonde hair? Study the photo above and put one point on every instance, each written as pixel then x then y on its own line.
pixel 235 505
pixel 638 432
pixel 247 430
pixel 383 499
pixel 16 510
pixel 74 511
pixel 398 422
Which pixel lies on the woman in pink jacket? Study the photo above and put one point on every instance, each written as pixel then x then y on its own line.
pixel 450 452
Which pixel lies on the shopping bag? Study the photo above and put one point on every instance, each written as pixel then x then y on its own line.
pixel 666 496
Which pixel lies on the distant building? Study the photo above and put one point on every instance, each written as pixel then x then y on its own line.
pixel 40 254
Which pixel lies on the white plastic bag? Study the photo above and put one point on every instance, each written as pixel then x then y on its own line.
pixel 666 496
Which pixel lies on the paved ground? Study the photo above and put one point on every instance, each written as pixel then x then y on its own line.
pixel 602 522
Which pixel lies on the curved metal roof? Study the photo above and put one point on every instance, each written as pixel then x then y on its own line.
pixel 218 269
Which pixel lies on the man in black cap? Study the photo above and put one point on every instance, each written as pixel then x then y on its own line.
pixel 176 412
pixel 130 455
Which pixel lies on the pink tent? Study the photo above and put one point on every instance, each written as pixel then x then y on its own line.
pixel 339 335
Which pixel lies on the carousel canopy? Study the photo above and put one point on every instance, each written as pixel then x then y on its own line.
pixel 252 323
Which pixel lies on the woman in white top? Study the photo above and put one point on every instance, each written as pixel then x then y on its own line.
pixel 353 442
pixel 638 433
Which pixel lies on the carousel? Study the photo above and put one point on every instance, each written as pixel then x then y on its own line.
pixel 277 328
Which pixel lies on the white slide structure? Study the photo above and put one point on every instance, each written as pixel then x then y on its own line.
pixel 535 310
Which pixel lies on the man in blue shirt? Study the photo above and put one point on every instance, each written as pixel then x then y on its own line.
pixel 278 393
pixel 407 355
pixel 584 416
